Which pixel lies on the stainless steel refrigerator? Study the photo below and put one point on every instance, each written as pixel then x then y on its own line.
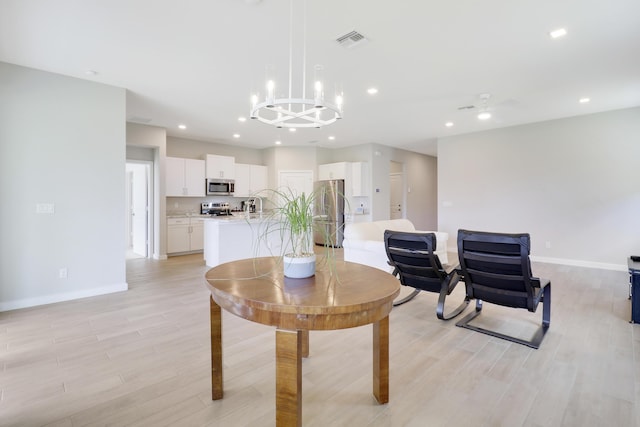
pixel 329 213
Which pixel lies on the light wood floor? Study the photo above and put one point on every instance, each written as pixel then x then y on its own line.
pixel 141 358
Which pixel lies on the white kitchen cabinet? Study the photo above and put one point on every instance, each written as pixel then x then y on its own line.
pixel 185 177
pixel 220 166
pixel 242 180
pixel 178 235
pixel 185 235
pixel 332 171
pixel 354 175
pixel 197 234
pixel 359 179
pixel 250 179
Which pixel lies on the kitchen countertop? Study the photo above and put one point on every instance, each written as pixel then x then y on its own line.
pixel 239 216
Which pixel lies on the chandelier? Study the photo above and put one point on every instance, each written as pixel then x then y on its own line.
pixel 296 112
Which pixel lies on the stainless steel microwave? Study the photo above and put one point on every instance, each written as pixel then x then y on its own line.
pixel 220 187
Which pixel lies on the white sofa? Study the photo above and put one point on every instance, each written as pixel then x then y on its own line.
pixel 364 242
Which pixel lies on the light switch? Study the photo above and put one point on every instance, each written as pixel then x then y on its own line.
pixel 45 208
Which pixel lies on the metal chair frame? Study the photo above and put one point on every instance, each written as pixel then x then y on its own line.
pixel 495 272
pixel 417 266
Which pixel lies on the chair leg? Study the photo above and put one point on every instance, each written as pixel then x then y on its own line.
pixel 408 298
pixel 447 287
pixel 546 306
pixel 534 342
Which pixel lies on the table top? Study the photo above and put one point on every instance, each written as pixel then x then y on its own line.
pixel 340 295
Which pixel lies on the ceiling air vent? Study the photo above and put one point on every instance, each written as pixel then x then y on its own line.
pixel 351 39
pixel 467 107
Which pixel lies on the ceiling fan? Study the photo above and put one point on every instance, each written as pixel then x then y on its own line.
pixel 483 107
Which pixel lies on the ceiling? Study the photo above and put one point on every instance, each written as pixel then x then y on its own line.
pixel 197 62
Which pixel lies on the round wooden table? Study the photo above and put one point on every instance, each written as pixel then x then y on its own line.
pixel 340 295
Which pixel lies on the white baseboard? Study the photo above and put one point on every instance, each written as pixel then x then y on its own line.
pixel 68 296
pixel 580 263
pixel 562 261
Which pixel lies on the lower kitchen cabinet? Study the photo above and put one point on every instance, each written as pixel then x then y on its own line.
pixel 185 235
pixel 197 234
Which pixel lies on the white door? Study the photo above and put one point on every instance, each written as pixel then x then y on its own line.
pixel 297 181
pixel 395 204
pixel 139 207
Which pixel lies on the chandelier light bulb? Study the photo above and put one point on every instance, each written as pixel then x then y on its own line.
pixel 318 96
pixel 270 89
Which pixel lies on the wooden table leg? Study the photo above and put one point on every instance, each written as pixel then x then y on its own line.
pixel 305 343
pixel 216 351
pixel 288 378
pixel 381 360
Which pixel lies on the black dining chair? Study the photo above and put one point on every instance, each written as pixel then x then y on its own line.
pixel 496 269
pixel 411 255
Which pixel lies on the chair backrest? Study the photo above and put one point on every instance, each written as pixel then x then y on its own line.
pixel 411 254
pixel 496 268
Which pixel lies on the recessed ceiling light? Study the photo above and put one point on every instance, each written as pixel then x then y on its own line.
pixel 242 119
pixel 236 135
pixel 560 32
pixel 584 100
pixel 331 138
pixel 448 124
pixel 292 129
pixel 91 72
pixel 484 116
pixel 372 91
pixel 278 142
pixel 183 127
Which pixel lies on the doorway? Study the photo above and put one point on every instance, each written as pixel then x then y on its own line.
pixel 138 212
pixel 396 199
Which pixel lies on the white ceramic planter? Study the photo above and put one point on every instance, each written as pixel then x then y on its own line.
pixel 299 267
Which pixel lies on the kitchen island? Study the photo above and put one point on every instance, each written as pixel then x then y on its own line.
pixel 241 236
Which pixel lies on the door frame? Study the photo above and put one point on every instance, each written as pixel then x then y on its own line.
pixel 150 202
pixel 402 197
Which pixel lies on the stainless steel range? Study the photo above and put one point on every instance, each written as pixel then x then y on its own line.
pixel 215 209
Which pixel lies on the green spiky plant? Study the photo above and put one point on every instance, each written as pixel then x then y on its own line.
pixel 295 213
pixel 292 217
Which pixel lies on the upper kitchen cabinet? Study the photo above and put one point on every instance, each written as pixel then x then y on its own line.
pixel 359 179
pixel 220 166
pixel 333 171
pixel 354 175
pixel 250 179
pixel 185 177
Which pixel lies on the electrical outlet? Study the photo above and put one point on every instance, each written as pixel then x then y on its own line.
pixel 62 273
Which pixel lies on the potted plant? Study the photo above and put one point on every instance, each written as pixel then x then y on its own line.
pixel 292 217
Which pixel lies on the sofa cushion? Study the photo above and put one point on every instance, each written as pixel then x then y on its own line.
pixel 375 230
pixel 364 241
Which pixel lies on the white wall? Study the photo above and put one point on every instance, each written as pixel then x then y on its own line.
pixel 289 158
pixel 193 149
pixel 574 183
pixel 62 141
